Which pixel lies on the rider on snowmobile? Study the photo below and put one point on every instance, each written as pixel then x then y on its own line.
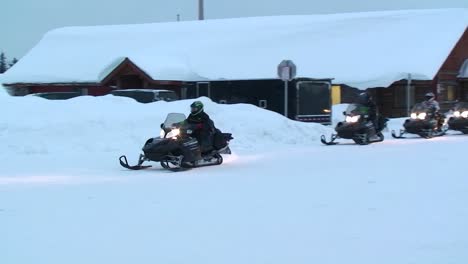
pixel 434 107
pixel 365 99
pixel 203 126
pixel 431 103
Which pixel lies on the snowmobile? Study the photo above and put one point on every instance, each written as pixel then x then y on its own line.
pixel 175 149
pixel 459 120
pixel 422 122
pixel 357 127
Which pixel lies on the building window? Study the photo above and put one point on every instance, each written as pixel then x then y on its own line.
pixel 183 93
pixel 446 91
pixel 464 91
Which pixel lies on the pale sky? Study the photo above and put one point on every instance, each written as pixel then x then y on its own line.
pixel 24 22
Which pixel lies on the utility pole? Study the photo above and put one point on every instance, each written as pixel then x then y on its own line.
pixel 201 10
pixel 408 95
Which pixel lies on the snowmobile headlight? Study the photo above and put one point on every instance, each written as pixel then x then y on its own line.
pixel 352 119
pixel 422 116
pixel 456 113
pixel 464 114
pixel 174 133
pixel 162 133
pixel 414 116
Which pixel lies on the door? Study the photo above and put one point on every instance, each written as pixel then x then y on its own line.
pixel 313 102
pixel 203 89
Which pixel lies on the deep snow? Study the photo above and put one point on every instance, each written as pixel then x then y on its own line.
pixel 281 198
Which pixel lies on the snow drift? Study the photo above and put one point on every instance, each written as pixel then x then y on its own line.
pixel 3 92
pixel 116 125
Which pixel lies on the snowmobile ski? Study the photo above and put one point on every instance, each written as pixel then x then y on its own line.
pixel 399 135
pixel 124 163
pixel 331 142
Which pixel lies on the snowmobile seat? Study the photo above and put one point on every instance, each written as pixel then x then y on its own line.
pixel 220 140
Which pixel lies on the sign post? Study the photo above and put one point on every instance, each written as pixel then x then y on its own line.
pixel 408 95
pixel 286 72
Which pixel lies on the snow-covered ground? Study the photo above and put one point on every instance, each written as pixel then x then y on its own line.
pixel 281 197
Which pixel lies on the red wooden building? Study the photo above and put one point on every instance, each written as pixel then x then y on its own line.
pixel 125 75
pixel 235 58
pixel 450 84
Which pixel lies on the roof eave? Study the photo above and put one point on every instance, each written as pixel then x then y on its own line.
pixel 24 84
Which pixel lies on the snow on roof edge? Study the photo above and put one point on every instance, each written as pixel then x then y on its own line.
pixel 464 70
pixel 188 68
pixel 346 15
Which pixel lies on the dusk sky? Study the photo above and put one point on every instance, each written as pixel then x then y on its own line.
pixel 24 22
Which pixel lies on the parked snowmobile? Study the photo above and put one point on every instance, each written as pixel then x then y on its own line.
pixel 357 127
pixel 459 120
pixel 422 122
pixel 175 149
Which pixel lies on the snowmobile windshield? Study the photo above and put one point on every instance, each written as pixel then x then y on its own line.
pixel 357 109
pixel 461 107
pixel 420 108
pixel 174 118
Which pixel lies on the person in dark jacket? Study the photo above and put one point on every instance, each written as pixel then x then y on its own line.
pixel 203 126
pixel 431 103
pixel 365 99
pixel 434 107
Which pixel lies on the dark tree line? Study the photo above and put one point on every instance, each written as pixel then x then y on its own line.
pixel 5 64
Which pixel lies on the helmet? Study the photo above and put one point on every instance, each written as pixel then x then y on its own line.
pixel 429 96
pixel 363 98
pixel 196 108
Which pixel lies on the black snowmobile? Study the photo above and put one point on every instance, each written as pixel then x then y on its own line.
pixel 176 149
pixel 459 120
pixel 422 122
pixel 357 127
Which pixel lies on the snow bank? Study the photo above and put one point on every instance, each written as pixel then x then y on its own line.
pixel 115 125
pixel 359 49
pixel 3 92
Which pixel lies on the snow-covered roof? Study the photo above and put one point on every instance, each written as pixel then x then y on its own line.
pixel 464 70
pixel 363 50
pixel 143 90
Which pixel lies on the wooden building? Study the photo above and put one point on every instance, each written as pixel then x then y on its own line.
pixel 200 59
pixel 462 80
pixel 124 75
pixel 449 84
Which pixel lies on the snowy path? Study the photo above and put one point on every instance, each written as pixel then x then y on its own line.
pixel 289 204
